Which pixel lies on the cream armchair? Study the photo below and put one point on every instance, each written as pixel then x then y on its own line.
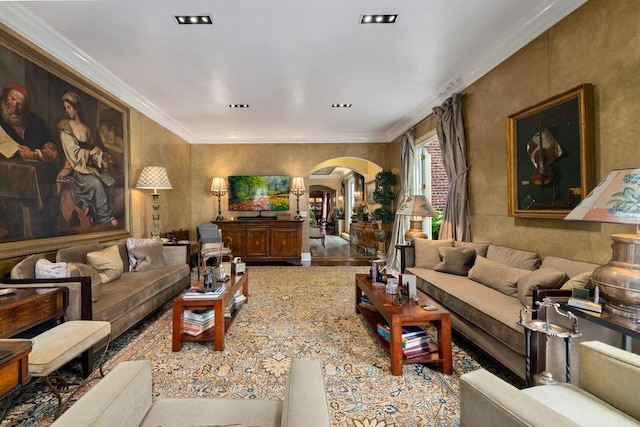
pixel 608 395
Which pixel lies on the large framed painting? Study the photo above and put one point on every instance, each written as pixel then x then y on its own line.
pixel 64 155
pixel 551 155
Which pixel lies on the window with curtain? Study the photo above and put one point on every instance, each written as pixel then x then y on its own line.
pixel 430 178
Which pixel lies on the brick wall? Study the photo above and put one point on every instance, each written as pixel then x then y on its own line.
pixel 439 180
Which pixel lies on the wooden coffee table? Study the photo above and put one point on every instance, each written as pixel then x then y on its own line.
pixel 411 313
pixel 221 324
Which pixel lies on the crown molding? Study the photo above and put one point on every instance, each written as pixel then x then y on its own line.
pixel 29 26
pixel 520 34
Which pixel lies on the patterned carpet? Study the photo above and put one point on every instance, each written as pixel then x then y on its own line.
pixel 293 312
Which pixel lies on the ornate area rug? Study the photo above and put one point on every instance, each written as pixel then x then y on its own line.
pixel 293 312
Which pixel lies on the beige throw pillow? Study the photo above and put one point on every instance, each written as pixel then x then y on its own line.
pixel 26 269
pixel 542 278
pixel 512 257
pixel 581 281
pixel 107 263
pixel 427 255
pixel 455 260
pixel 77 269
pixel 480 248
pixel 497 276
pixel 148 257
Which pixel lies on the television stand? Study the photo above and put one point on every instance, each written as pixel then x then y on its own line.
pixel 264 240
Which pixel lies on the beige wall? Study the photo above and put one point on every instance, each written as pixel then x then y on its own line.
pixel 209 160
pixel 599 44
pixel 154 145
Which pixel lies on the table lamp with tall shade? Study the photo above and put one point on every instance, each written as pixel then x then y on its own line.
pixel 297 189
pixel 154 178
pixel 417 207
pixel 617 200
pixel 219 189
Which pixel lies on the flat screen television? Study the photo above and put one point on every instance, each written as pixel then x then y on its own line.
pixel 259 193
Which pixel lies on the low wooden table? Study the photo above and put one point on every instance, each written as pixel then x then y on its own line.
pixel 221 324
pixel 411 313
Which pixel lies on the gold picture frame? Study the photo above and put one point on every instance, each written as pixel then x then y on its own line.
pixel 550 152
pixel 369 188
pixel 44 204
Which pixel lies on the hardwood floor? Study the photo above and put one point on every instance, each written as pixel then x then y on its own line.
pixel 337 251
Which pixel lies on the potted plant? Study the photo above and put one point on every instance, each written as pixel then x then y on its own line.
pixel 383 195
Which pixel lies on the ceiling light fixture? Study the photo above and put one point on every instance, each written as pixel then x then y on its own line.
pixel 341 105
pixel 378 19
pixel 238 105
pixel 194 19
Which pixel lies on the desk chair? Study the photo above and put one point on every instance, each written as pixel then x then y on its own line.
pixel 212 244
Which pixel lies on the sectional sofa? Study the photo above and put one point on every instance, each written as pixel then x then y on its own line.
pixel 485 286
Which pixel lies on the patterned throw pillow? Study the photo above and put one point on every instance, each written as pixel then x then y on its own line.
pixel 131 243
pixel 148 257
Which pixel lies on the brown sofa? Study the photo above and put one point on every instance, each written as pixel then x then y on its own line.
pixel 124 301
pixel 487 290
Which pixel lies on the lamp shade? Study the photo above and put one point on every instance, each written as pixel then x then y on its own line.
pixel 297 186
pixel 154 178
pixel 616 199
pixel 416 205
pixel 219 186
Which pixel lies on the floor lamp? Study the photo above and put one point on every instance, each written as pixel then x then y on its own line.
pixel 219 189
pixel 417 207
pixel 154 178
pixel 297 189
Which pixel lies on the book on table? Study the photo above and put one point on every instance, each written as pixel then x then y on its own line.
pixel 408 331
pixel 196 294
pixel 198 315
pixel 193 327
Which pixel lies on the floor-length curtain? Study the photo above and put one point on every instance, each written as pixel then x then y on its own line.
pixel 450 129
pixel 406 183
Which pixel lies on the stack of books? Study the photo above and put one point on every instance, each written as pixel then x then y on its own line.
pixel 415 341
pixel 366 303
pixel 197 321
pixel 193 293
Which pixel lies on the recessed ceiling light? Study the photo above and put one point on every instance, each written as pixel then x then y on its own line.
pixel 238 105
pixel 194 19
pixel 341 105
pixel 378 19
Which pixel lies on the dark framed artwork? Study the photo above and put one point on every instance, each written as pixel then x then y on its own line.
pixel 64 155
pixel 551 155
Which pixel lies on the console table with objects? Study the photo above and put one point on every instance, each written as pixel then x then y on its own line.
pixel 264 240
pixel 27 308
pixel 25 312
pixel 218 304
pixel 365 237
pixel 628 327
pixel 411 313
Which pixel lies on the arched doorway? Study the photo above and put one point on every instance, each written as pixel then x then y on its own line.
pixel 337 195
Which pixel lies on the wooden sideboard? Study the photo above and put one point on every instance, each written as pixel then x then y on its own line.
pixel 264 240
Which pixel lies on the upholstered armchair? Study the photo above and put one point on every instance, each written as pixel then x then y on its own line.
pixel 212 244
pixel 608 395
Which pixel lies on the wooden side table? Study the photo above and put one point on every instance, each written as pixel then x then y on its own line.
pixel 411 313
pixel 221 324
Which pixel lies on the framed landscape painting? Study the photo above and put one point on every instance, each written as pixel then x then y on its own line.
pixel 64 155
pixel 551 155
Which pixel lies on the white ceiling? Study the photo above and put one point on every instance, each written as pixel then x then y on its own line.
pixel 288 59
